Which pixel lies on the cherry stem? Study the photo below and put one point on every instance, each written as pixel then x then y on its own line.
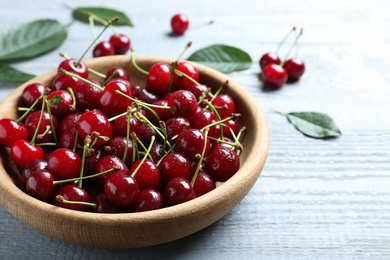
pixel 284 39
pixel 73 106
pixel 168 152
pixel 233 117
pixel 92 25
pixel 212 108
pixel 276 111
pixel 114 75
pixel 64 72
pixel 181 74
pixel 222 141
pixel 143 104
pixel 143 159
pixel 85 149
pixel 201 158
pixel 51 123
pixel 292 46
pixel 217 92
pixel 135 64
pixel 206 92
pixel 127 134
pixel 115 168
pixel 104 22
pixel 76 141
pixel 59 198
pixel 29 110
pixel 175 64
pixel 185 49
pixel 40 120
pixel 144 119
pixel 89 69
pixel 164 130
pixel 40 136
pixel 297 45
pixel 47 144
pixel 143 147
pixel 135 147
pixel 108 24
pixel 25 109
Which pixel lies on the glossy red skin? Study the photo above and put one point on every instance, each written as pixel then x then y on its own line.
pixel 191 142
pixel 203 118
pixel 119 126
pixel 233 124
pixel 163 114
pixel 185 103
pixel 64 164
pixel 197 90
pixel 64 82
pixel 31 167
pixel 118 146
pixel 94 120
pixel 105 164
pixel 175 126
pixel 155 151
pixel 215 143
pixel 222 100
pixel 62 109
pixel 31 93
pixel 40 185
pixel 32 122
pixel 73 193
pixel 148 199
pixel 70 66
pixel 175 165
pixel 145 94
pixel 295 68
pixel 67 139
pixel 274 75
pixel 269 58
pixel 148 175
pixel 222 163
pixel 120 43
pixel 68 122
pixel 177 191
pixel 158 78
pixel 103 49
pixel 204 183
pixel 188 69
pixel 22 152
pixel 121 73
pixel 91 160
pixel 112 103
pixel 121 190
pixel 147 133
pixel 179 24
pixel 103 205
pixel 11 131
pixel 87 96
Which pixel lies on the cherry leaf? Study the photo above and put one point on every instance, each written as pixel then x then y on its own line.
pixel 107 14
pixel 54 101
pixel 223 58
pixel 31 39
pixel 7 73
pixel 313 124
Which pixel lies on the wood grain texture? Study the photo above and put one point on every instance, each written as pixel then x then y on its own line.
pixel 315 199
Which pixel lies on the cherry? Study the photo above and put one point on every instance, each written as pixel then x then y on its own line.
pixel 197 90
pixel 178 190
pixel 175 165
pixel 62 82
pixel 40 185
pixel 203 118
pixel 185 103
pixel 106 163
pixel 163 114
pixel 91 160
pixel 145 94
pixel 191 142
pixel 32 121
pixel 148 175
pixel 118 146
pixel 121 190
pixel 183 82
pixel 147 133
pixel 158 78
pixel 120 42
pixel 31 167
pixel 179 24
pixel 65 107
pixel 269 58
pixel 75 66
pixel 295 68
pixel 73 193
pixel 203 183
pixel 64 164
pixel 222 163
pixel 121 73
pixel 226 101
pixel 103 49
pixel 148 199
pixel 175 126
pixel 274 75
pixel 119 126
pixel 31 93
pixel 156 151
pixel 68 139
pixel 68 122
pixel 23 152
pixel 87 96
pixel 233 124
pixel 94 121
pixel 11 131
pixel 112 103
pixel 103 205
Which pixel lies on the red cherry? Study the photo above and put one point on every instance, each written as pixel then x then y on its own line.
pixel 68 122
pixel 179 24
pixel 11 131
pixel 64 164
pixel 269 58
pixel 183 82
pixel 224 100
pixel 106 163
pixel 91 121
pixel 119 126
pixel 163 114
pixel 118 146
pixel 68 138
pixel 197 90
pixel 31 167
pixel 32 121
pixel 295 68
pixel 87 96
pixel 156 152
pixel 63 82
pixel 175 126
pixel 31 93
pixel 91 160
pixel 158 78
pixel 274 75
pixel 222 163
pixel 103 49
pixel 191 142
pixel 73 66
pixel 23 152
pixel 121 43
pixel 148 175
pixel 112 103
pixel 40 185
pixel 148 199
pixel 203 118
pixel 121 73
pixel 233 124
pixel 64 107
pixel 178 190
pixel 175 165
pixel 185 103
pixel 73 193
pixel 103 205
pixel 121 190
pixel 145 94
pixel 203 183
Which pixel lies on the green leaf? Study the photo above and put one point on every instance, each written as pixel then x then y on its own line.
pixel 7 73
pixel 223 58
pixel 313 124
pixel 31 39
pixel 56 100
pixel 81 14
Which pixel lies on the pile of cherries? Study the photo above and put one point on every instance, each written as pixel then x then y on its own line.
pixel 275 72
pixel 118 147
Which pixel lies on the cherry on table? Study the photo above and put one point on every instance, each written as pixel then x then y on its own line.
pixel 295 68
pixel 179 24
pixel 178 190
pixel 274 75
pixel 120 42
pixel 269 58
pixel 103 49
pixel 148 199
pixel 12 131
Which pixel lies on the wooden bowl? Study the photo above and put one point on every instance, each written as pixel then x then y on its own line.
pixel 130 230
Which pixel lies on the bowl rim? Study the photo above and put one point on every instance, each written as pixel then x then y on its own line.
pixel 12 196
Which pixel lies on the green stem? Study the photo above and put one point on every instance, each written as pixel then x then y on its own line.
pixel 280 113
pixel 292 46
pixel 61 199
pixel 85 149
pixel 29 110
pixel 284 39
pixel 64 72
pixel 201 158
pixel 87 177
pixel 92 26
pixel 143 159
pixel 76 141
pixel 135 64
pixel 40 121
pixel 49 144
pixel 221 121
pixel 127 136
pixel 145 149
pixel 143 104
pixel 52 124
pixel 113 75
